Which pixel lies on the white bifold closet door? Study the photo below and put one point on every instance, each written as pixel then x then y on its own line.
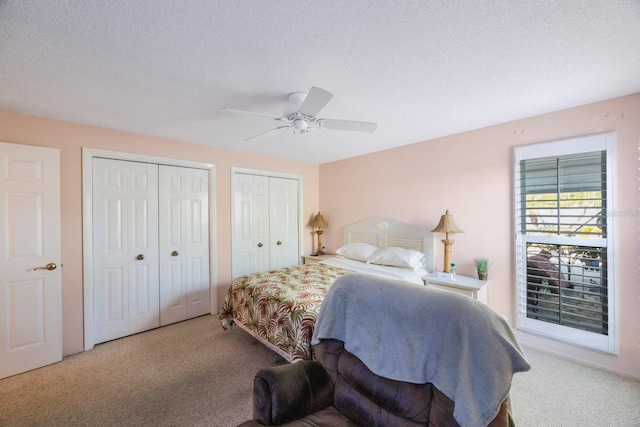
pixel 150 246
pixel 265 223
pixel 251 224
pixel 283 222
pixel 184 243
pixel 125 243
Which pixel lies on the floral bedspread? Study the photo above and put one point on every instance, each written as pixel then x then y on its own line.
pixel 281 306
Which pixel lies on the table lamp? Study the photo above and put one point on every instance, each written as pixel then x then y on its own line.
pixel 447 225
pixel 319 223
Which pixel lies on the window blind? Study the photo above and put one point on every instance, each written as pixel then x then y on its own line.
pixel 564 196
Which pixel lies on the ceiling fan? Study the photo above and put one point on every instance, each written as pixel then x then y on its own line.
pixel 300 115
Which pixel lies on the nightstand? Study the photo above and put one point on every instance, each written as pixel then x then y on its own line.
pixel 308 259
pixel 464 285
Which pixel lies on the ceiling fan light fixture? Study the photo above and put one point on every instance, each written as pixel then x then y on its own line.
pixel 300 125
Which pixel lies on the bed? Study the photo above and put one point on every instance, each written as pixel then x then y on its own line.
pixel 280 307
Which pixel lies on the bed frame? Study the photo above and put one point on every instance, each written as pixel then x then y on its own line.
pixel 384 232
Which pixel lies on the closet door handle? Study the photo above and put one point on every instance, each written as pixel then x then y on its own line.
pixel 174 253
pixel 140 257
pixel 279 243
pixel 259 245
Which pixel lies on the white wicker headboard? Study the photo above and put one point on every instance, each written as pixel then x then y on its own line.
pixel 384 232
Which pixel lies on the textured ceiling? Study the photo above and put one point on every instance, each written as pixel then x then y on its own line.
pixel 420 69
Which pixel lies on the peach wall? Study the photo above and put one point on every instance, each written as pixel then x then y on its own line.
pixel 471 174
pixel 71 138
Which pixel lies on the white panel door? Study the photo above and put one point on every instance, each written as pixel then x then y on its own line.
pixel 250 224
pixel 260 223
pixel 30 296
pixel 184 243
pixel 283 222
pixel 125 236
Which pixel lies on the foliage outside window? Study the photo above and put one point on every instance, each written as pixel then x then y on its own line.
pixel 563 194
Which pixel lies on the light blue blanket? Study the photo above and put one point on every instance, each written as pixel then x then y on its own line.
pixel 410 333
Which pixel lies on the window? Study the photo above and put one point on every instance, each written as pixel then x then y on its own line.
pixel 564 235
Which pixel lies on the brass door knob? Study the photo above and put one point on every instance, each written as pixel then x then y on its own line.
pixel 259 245
pixel 174 253
pixel 279 243
pixel 51 266
pixel 140 257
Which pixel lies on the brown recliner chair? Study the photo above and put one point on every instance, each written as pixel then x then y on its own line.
pixel 392 353
pixel 339 390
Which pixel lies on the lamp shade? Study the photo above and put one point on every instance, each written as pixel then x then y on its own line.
pixel 446 225
pixel 319 221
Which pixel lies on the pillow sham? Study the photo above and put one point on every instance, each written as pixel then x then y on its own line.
pixel 357 251
pixel 398 257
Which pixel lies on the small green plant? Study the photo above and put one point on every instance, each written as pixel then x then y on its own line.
pixel 482 265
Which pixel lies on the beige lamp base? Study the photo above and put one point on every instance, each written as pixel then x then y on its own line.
pixel 447 255
pixel 319 250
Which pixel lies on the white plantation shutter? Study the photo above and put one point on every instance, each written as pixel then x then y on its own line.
pixel 566 195
pixel 563 194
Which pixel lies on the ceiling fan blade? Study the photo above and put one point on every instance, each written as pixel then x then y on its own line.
pixel 231 110
pixel 315 101
pixel 266 134
pixel 346 125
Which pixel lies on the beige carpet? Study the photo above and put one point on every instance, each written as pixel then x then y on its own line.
pixel 194 374
pixel 557 392
pixel 187 374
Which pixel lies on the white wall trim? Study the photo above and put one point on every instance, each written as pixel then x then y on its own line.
pixel 88 154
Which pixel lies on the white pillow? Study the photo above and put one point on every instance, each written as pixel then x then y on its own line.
pixel 357 251
pixel 398 257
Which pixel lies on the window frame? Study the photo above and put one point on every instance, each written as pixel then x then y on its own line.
pixel 605 343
